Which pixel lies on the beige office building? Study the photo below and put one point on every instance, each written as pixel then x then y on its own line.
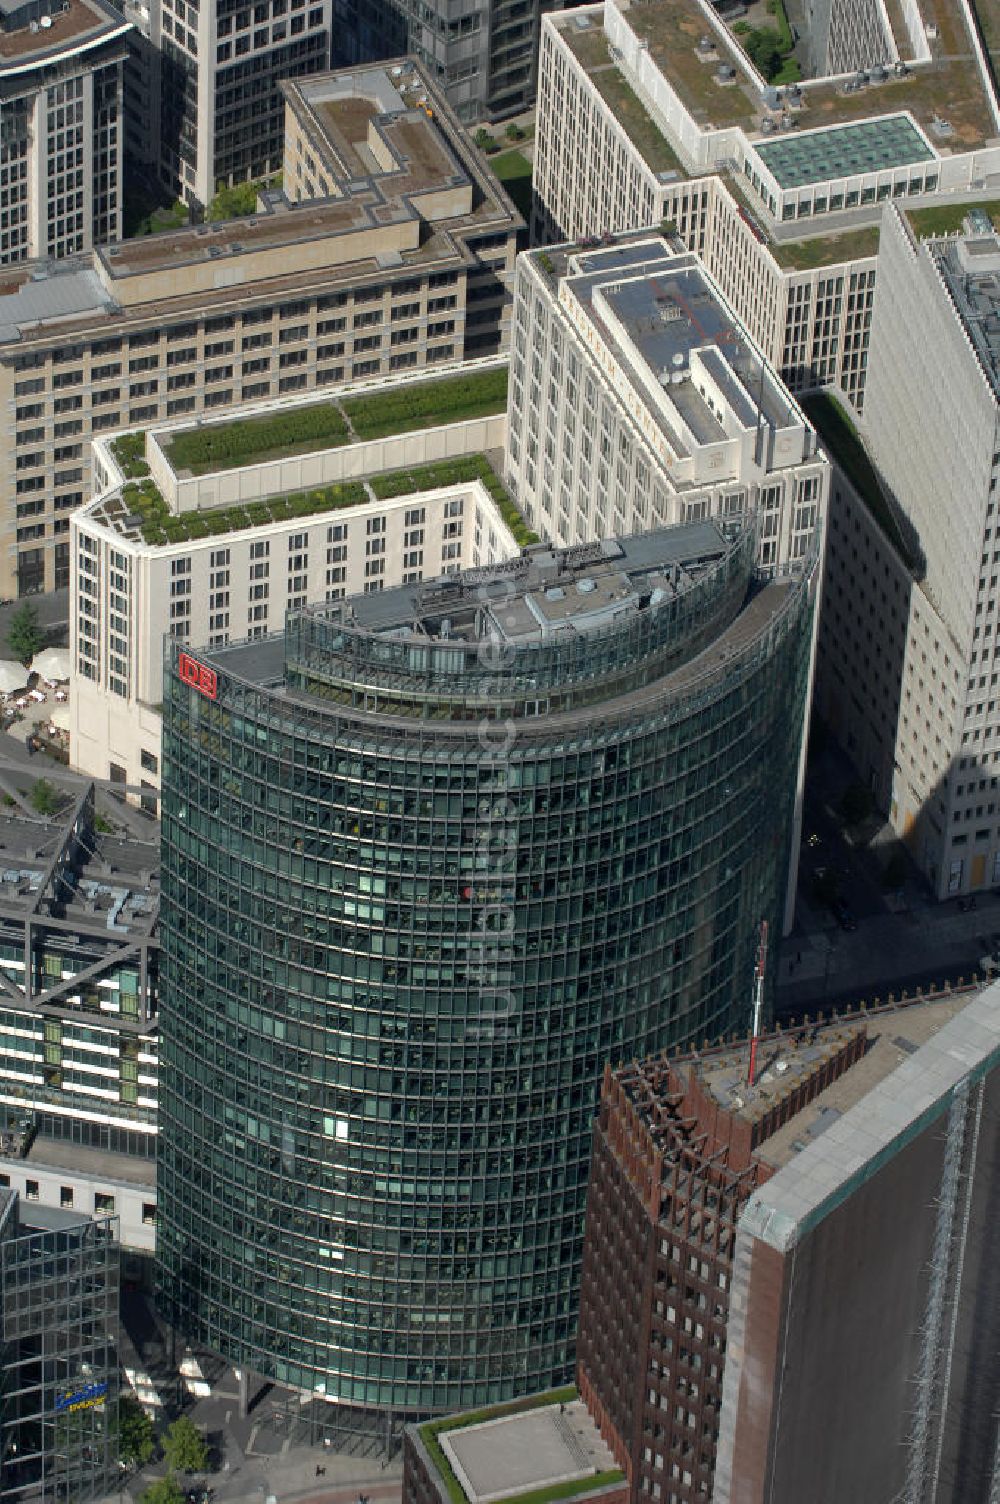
pixel 61 127
pixel 404 267
pixel 217 554
pixel 933 427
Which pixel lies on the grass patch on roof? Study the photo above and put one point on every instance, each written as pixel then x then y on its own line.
pixel 427 404
pixel 636 121
pixel 825 250
pixel 158 526
pixel 431 1430
pixel 249 441
pixel 328 425
pixel 453 472
pixel 946 219
pixel 838 433
pixel 141 498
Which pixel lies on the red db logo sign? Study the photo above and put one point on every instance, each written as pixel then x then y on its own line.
pixel 197 675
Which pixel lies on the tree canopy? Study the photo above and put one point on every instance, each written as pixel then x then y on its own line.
pixel 24 635
pixel 184 1447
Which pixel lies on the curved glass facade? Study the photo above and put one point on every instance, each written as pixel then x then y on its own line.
pixel 405 924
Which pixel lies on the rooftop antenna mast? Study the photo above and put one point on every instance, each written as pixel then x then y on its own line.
pixel 758 999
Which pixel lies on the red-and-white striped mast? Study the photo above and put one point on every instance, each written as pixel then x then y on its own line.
pixel 758 998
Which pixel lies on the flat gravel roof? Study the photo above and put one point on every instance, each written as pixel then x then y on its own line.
pixel 532 1449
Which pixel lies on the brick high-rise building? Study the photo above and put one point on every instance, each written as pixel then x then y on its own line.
pixel 770 1315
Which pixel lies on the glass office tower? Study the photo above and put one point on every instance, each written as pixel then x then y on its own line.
pixel 429 861
pixel 59 1283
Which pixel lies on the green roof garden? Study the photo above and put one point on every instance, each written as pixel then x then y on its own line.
pixel 525 1455
pixel 341 420
pixel 825 250
pixel 838 433
pixel 633 117
pixel 141 510
pixel 947 219
pixel 822 156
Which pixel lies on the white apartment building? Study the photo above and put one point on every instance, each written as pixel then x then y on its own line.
pixel 825 146
pixel 246 544
pixel 61 138
pixel 637 104
pixel 637 400
pixel 933 426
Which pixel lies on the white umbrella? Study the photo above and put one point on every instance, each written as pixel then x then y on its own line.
pixel 52 664
pixel 59 717
pixel 13 675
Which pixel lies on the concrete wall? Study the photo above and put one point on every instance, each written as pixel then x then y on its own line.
pixel 826 1342
pixel 131 1197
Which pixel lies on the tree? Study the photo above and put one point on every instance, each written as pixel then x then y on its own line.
pixel 136 1443
pixel 763 47
pixel 24 635
pixel 44 797
pixel 484 140
pixel 163 1491
pixel 184 1447
pixel 513 131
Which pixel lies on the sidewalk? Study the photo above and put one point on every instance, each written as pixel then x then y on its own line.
pixel 821 963
pixel 290 1479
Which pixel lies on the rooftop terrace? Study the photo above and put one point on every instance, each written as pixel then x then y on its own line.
pixel 948 218
pixel 70 23
pixel 356 115
pixel 945 90
pixel 201 449
pixel 666 323
pixel 82 1159
pixel 945 96
pixel 590 46
pixel 672 29
pixel 139 511
pixel 806 1079
pixel 421 644
pixel 904 1082
pixel 546 595
pixel 542 1448
pixel 970 268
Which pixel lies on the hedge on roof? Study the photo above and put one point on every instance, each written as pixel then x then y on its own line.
pixel 221 446
pixel 454 472
pixel 130 452
pixel 426 404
